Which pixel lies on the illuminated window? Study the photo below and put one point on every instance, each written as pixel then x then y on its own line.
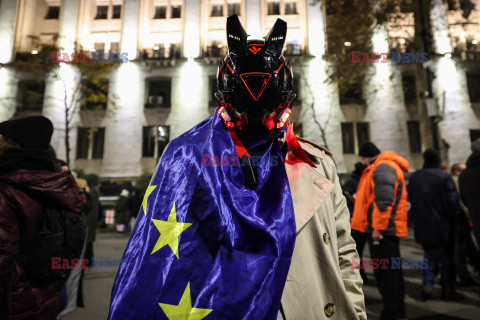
pixel 102 12
pixel 53 13
pixel 273 8
pixel 159 92
pixel 233 8
pixel 160 12
pixel 99 47
pixel 217 10
pixel 90 143
pixel 117 10
pixel 155 139
pixel 176 11
pixel 291 8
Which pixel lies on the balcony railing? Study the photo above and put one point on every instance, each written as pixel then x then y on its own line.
pixel 216 51
pixel 162 53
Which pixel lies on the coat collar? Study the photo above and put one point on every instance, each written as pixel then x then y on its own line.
pixel 309 187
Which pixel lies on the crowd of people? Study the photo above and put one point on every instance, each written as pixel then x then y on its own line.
pixel 443 206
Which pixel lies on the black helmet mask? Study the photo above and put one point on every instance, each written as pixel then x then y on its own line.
pixel 254 80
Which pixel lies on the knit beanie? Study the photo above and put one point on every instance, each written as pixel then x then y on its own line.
pixel 432 159
pixel 34 132
pixel 476 145
pixel 368 150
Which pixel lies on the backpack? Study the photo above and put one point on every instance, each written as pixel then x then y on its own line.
pixel 61 236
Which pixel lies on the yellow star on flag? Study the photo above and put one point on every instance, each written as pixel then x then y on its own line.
pixel 184 310
pixel 169 230
pixel 145 199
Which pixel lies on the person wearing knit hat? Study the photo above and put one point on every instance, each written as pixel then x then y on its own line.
pixel 34 132
pixel 29 184
pixel 380 212
pixel 368 151
pixel 476 145
pixel 435 210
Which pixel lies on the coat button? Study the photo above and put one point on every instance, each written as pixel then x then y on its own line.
pixel 326 238
pixel 329 310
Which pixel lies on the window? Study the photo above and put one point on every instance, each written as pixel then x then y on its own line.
pixel 160 12
pixel 95 94
pixel 414 136
pixel 363 133
pixel 348 138
pixel 90 143
pixel 291 8
pixel 155 139
pixel 102 12
pixel 53 13
pixel 217 10
pixel 117 10
pixel 452 4
pixel 474 135
pixel 273 8
pixel 114 47
pixel 409 89
pixel 233 8
pixel 99 46
pixel 159 92
pixel 351 94
pixel 176 12
pixel 30 95
pixel 473 83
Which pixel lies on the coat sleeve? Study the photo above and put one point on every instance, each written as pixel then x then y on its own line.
pixel 385 180
pixel 9 238
pixel 453 199
pixel 347 251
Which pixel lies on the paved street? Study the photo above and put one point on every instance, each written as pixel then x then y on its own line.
pixel 98 284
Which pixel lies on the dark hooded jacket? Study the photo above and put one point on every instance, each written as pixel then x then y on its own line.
pixel 92 214
pixel 469 182
pixel 23 193
pixel 435 206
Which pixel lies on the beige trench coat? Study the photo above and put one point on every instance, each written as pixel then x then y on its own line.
pixel 321 283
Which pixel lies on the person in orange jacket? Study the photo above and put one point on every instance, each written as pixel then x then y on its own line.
pixel 381 210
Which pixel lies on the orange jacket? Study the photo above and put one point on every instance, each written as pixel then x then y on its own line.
pixel 381 202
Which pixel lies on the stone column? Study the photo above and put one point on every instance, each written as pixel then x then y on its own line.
pixel 123 129
pixel 386 110
pixel 253 13
pixel 191 33
pixel 450 90
pixel 321 116
pixel 57 88
pixel 8 89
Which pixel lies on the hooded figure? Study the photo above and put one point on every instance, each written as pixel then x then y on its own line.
pixel 241 219
pixel 28 182
pixel 435 212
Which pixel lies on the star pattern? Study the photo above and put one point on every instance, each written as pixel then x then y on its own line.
pixel 145 199
pixel 184 310
pixel 169 230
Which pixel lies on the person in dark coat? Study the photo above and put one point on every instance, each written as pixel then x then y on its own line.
pixel 121 209
pixel 27 182
pixel 469 182
pixel 349 191
pixel 435 212
pixel 134 204
pixel 92 214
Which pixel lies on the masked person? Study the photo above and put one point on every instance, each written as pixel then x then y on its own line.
pixel 242 220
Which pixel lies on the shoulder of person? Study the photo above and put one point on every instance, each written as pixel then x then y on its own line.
pixel 314 150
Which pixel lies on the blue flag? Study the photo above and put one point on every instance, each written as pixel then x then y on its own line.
pixel 205 246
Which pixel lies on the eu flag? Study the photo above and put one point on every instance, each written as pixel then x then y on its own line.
pixel 205 246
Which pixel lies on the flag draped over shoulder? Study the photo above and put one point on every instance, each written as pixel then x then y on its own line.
pixel 205 246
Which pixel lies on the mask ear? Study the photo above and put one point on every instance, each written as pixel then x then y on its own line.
pixel 275 40
pixel 236 37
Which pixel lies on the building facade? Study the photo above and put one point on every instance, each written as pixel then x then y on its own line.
pixel 173 48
